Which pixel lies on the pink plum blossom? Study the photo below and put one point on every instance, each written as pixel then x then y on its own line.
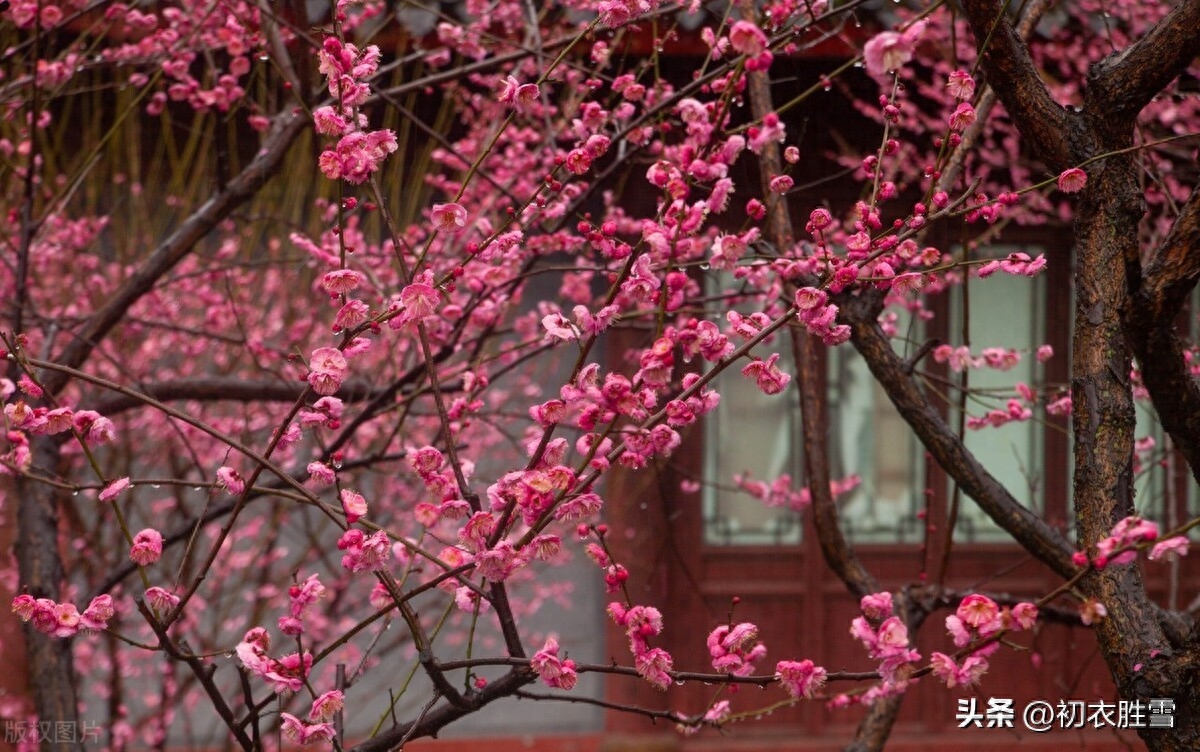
pixel 520 96
pixel 161 599
pixel 450 218
pixel 114 489
pixel 353 504
pixel 766 375
pixel 98 613
pixel 326 707
pixel 147 547
pixel 961 85
pixel 231 480
pixel 747 39
pixel 1169 548
pixel 1072 180
pixel 888 51
pixel 800 678
pixel 555 673
pixel 357 155
pixel 303 733
pixel 327 369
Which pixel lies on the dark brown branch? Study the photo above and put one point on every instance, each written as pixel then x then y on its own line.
pixel 839 554
pixel 224 389
pixel 1123 83
pixel 180 243
pixel 1173 270
pixel 1012 74
pixel 435 720
pixel 203 672
pixel 891 371
pixel 1167 280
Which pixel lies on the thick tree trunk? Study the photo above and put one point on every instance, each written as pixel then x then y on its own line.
pixel 1143 646
pixel 1143 663
pixel 51 675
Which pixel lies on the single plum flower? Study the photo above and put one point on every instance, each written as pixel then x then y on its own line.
pixel 114 489
pixel 147 547
pixel 449 217
pixel 1072 180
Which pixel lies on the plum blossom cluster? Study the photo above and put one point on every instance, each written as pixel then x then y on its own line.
pixel 64 619
pixel 615 574
pixel 734 649
pixel 819 316
pixel 531 494
pixel 586 324
pixel 358 152
pixel 38 421
pixel 319 727
pixel 780 493
pixel 640 624
pixel 24 421
pixel 977 620
pixel 1127 537
pixel 1017 263
pixel 430 466
pixel 362 552
pixel 287 674
pixel 555 672
pixel 885 636
pixel 302 597
pixel 615 13
pixel 511 205
pixel 998 358
pixel 589 403
pixel 1013 411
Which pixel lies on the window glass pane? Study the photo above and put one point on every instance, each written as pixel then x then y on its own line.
pixel 754 437
pixel 1006 311
pixel 869 440
pixel 1151 489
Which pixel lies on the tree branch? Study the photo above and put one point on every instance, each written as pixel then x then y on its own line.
pixel 948 450
pixel 1167 280
pixel 41 573
pixel 203 672
pixel 1173 270
pixel 839 554
pixel 286 127
pixel 1123 83
pixel 1011 72
pixel 430 723
pixel 223 389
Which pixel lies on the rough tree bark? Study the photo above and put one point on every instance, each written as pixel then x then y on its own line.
pixel 39 561
pixel 1119 311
